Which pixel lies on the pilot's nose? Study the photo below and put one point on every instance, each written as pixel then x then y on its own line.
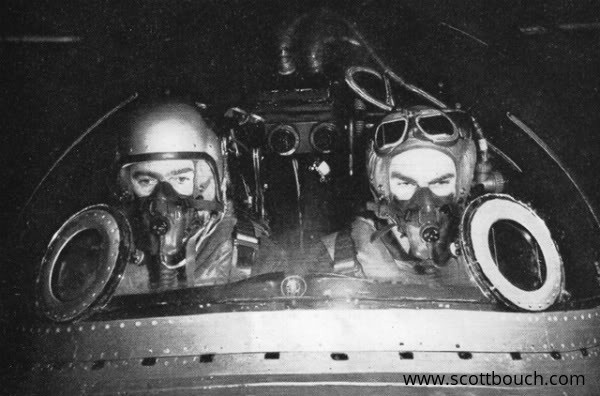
pixel 422 200
pixel 164 190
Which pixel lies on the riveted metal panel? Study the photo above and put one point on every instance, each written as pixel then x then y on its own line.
pixel 257 373
pixel 319 330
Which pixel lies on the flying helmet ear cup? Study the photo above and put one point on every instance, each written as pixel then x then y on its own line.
pixel 124 189
pixel 377 170
pixel 466 169
pixel 206 180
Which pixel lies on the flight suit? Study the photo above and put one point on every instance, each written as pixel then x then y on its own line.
pixel 221 257
pixel 354 252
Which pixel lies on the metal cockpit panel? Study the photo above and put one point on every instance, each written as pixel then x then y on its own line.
pixel 228 351
pixel 312 373
pixel 314 330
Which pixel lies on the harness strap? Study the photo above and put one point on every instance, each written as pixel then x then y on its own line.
pixel 202 204
pixel 245 244
pixel 344 258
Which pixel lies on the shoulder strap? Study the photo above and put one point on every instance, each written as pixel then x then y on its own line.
pixel 245 243
pixel 344 257
pixel 373 256
pixel 344 246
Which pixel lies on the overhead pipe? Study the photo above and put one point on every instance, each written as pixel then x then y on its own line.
pixel 287 65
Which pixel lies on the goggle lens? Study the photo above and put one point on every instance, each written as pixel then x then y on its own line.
pixel 436 127
pixel 390 132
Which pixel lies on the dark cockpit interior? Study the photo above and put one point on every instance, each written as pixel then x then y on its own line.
pixel 305 118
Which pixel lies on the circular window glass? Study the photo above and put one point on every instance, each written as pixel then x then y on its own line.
pixel 517 255
pixel 84 263
pixel 510 252
pixel 77 266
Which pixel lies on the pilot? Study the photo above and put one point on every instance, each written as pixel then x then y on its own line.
pixel 420 167
pixel 173 181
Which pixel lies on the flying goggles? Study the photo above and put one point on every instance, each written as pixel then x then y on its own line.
pixel 442 127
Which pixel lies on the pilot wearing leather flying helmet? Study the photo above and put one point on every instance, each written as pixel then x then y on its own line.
pixel 420 166
pixel 174 179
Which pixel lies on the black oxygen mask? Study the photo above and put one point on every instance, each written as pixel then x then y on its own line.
pixel 166 221
pixel 426 220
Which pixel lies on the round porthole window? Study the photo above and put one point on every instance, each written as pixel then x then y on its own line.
pixel 83 263
pixel 510 252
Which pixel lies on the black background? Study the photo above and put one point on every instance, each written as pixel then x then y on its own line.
pixel 220 51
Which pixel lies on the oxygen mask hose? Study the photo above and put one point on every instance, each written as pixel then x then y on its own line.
pixel 295 167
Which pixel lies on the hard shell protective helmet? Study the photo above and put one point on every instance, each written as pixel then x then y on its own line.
pixel 448 131
pixel 172 129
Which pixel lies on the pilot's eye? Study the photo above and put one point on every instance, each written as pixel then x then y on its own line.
pixel 182 179
pixel 441 182
pixel 443 187
pixel 402 189
pixel 145 181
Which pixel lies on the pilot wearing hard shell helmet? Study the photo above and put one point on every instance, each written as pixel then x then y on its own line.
pixel 420 166
pixel 174 180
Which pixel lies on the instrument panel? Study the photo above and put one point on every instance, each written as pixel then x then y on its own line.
pixel 297 121
pixel 303 137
